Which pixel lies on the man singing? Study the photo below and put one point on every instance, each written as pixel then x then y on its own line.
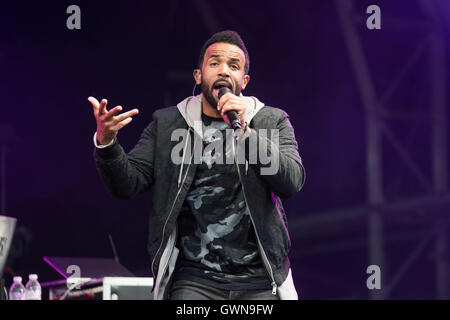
pixel 218 229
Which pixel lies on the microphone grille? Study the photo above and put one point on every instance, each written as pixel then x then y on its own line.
pixel 222 91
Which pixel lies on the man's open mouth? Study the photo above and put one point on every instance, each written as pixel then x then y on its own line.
pixel 219 85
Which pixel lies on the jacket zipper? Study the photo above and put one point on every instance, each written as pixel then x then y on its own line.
pixel 168 217
pixel 168 260
pixel 264 256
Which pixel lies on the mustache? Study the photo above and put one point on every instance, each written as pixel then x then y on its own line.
pixel 222 80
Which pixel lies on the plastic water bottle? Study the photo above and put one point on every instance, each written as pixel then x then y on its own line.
pixel 33 288
pixel 17 290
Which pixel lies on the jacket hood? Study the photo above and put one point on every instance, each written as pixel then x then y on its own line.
pixel 191 110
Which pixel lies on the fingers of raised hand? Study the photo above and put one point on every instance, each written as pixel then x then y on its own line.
pixel 125 115
pixel 118 122
pixel 121 124
pixel 110 114
pixel 98 107
pixel 95 104
pixel 102 109
pixel 111 120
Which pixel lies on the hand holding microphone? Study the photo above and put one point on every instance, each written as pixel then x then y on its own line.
pixel 232 108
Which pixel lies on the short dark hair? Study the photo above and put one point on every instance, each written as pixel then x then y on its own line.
pixel 227 36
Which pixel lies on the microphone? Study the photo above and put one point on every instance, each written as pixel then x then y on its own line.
pixel 231 115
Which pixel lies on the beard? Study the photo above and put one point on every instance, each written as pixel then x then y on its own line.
pixel 208 93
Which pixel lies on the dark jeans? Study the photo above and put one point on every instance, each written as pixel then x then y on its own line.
pixel 189 290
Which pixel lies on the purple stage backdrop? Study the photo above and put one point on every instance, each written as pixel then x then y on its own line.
pixel 369 108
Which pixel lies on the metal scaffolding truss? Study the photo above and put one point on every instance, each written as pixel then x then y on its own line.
pixel 378 131
pixel 315 229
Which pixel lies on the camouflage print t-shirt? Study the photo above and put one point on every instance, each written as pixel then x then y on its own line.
pixel 216 237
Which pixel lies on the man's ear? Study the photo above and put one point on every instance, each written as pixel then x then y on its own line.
pixel 245 81
pixel 197 76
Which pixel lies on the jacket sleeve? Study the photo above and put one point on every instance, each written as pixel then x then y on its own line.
pixel 287 174
pixel 126 175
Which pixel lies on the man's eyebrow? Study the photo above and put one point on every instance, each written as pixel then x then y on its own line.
pixel 219 55
pixel 215 56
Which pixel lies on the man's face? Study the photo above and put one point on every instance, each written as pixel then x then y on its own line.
pixel 223 65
